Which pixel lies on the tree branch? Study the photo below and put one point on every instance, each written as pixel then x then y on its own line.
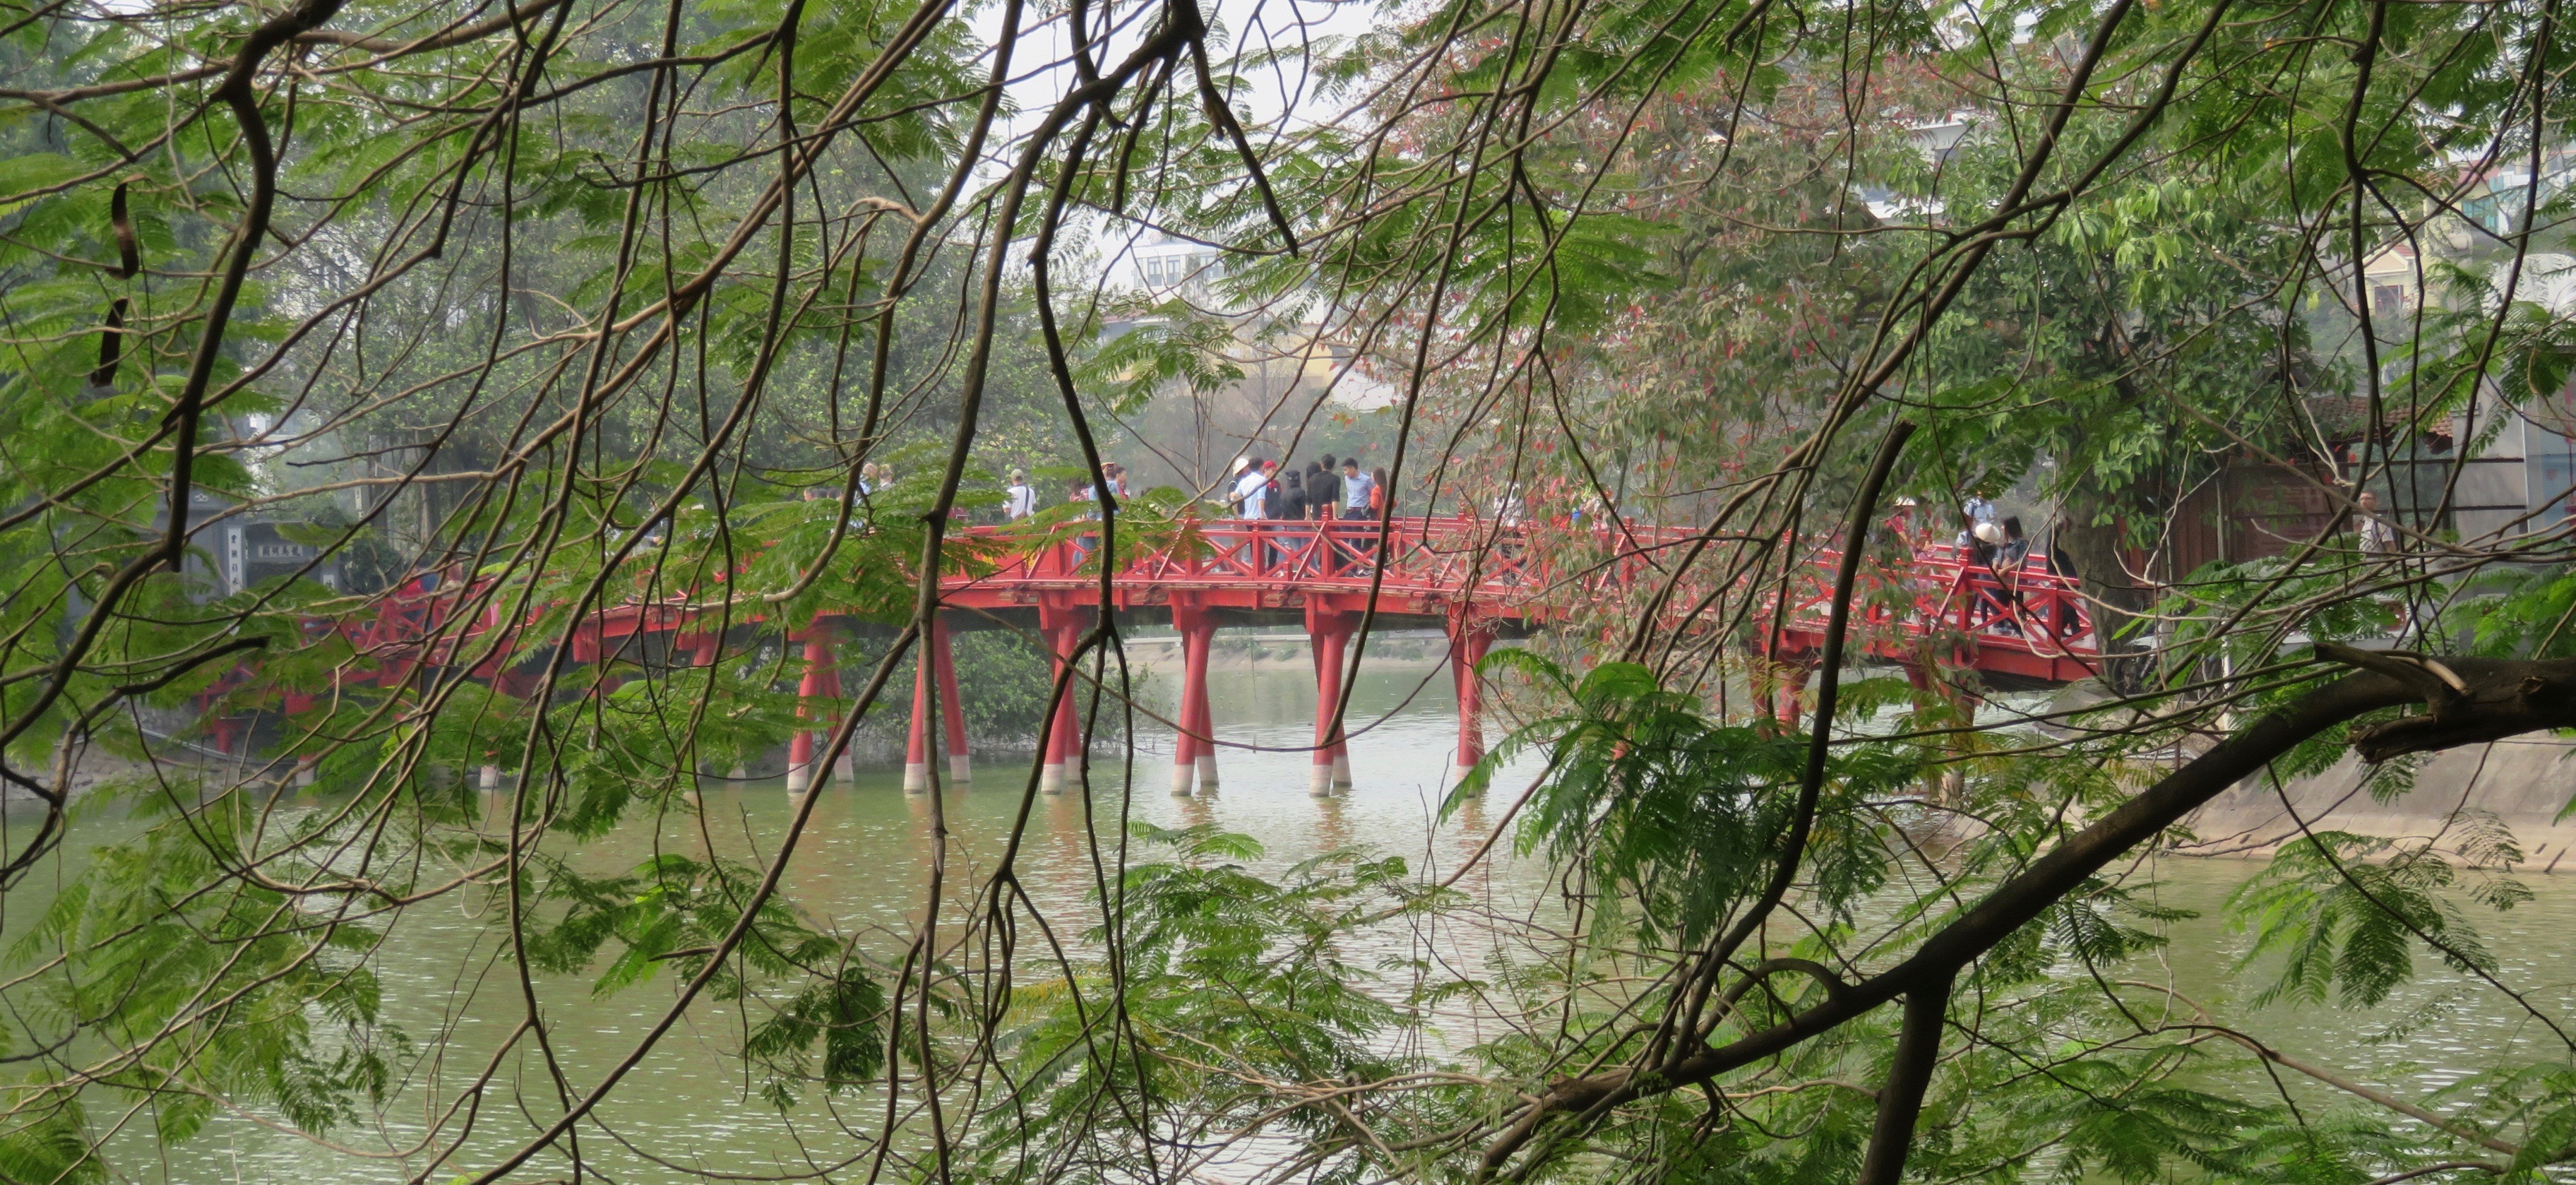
pixel 2502 697
pixel 1909 1074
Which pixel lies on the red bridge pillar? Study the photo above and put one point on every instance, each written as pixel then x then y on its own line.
pixel 935 668
pixel 916 746
pixel 1789 688
pixel 1194 743
pixel 821 679
pixel 1330 632
pixel 701 650
pixel 1060 619
pixel 1468 641
pixel 952 708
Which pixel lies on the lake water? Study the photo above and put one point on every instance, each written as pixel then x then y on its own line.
pixel 865 866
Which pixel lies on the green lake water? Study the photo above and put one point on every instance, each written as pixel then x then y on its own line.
pixel 864 867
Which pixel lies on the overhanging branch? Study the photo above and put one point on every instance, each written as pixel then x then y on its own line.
pixel 2470 700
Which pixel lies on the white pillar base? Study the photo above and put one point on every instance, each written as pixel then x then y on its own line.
pixel 491 777
pixel 799 777
pixel 740 774
pixel 1181 776
pixel 1207 772
pixel 1051 778
pixel 960 770
pixel 1319 780
pixel 916 777
pixel 306 775
pixel 1341 771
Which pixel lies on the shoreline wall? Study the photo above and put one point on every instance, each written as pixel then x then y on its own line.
pixel 2523 783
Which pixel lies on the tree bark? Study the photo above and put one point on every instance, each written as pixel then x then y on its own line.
pixel 1909 1075
pixel 2116 598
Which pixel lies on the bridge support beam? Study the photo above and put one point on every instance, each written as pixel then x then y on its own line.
pixel 1194 742
pixel 934 671
pixel 821 680
pixel 1061 621
pixel 1329 630
pixel 953 709
pixel 697 651
pixel 1790 697
pixel 916 744
pixel 1468 641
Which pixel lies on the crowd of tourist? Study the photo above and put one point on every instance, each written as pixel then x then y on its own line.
pixel 1325 489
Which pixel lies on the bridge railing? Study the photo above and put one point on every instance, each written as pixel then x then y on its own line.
pixel 1949 591
pixel 1457 559
pixel 1421 554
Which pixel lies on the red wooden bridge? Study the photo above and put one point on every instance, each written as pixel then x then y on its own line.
pixel 1471 578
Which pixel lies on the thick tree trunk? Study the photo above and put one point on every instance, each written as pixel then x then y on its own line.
pixel 2117 599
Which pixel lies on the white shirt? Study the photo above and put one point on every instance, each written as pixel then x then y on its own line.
pixel 2377 537
pixel 1355 490
pixel 1019 501
pixel 1978 510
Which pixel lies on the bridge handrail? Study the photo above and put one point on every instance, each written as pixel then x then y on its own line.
pixel 2031 606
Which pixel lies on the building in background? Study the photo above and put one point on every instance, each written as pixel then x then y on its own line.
pixel 2500 468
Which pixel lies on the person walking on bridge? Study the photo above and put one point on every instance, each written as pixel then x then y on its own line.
pixel 1251 485
pixel 1359 503
pixel 1359 491
pixel 1293 505
pixel 1292 510
pixel 1251 491
pixel 2008 562
pixel 1019 499
pixel 1324 489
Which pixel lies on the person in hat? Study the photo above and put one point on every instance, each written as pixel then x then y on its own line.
pixel 1019 499
pixel 1985 542
pixel 1251 490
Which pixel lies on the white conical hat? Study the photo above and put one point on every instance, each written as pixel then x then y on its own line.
pixel 1989 533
